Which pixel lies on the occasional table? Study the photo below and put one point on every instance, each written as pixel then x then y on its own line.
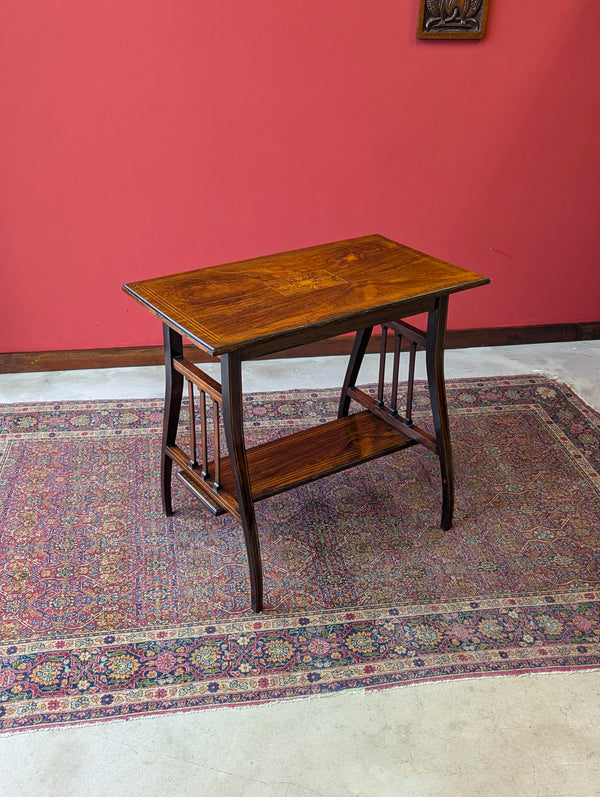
pixel 252 308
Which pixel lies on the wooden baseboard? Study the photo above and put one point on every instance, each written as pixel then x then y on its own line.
pixel 22 362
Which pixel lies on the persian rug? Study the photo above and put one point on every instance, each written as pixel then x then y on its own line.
pixel 108 609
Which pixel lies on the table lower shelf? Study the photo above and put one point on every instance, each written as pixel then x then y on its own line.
pixel 299 458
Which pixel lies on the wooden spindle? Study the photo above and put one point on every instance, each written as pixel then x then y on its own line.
pixel 395 373
pixel 217 442
pixel 194 458
pixel 411 381
pixel 384 332
pixel 204 437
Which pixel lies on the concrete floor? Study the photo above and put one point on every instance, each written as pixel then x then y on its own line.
pixel 528 735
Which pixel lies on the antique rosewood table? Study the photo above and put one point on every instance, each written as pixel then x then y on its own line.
pixel 240 311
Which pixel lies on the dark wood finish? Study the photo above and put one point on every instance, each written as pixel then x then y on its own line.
pixel 387 414
pixel 434 357
pixel 452 19
pixel 361 343
pixel 244 310
pixel 173 395
pixel 302 457
pixel 589 331
pixel 77 359
pixel 231 370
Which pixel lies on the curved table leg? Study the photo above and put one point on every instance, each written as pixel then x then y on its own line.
pixel 359 348
pixel 173 392
pixel 436 328
pixel 231 386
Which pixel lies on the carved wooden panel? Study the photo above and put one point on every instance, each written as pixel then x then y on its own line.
pixel 452 19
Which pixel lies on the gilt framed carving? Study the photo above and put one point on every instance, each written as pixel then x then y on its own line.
pixel 452 19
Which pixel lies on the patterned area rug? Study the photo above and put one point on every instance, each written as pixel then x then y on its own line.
pixel 108 609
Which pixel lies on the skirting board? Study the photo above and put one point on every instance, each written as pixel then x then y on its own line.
pixel 23 362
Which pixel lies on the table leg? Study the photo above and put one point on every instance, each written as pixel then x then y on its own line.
pixel 436 328
pixel 173 344
pixel 359 348
pixel 233 422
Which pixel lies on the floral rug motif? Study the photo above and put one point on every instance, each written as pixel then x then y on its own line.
pixel 108 609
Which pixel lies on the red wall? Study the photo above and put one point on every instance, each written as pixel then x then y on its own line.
pixel 140 137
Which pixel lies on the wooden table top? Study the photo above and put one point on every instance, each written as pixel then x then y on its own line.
pixel 299 296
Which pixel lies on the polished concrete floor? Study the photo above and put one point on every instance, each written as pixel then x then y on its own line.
pixel 528 735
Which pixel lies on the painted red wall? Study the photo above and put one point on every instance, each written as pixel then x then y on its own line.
pixel 140 137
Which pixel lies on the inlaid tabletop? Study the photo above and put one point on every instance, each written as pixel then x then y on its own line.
pixel 237 305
